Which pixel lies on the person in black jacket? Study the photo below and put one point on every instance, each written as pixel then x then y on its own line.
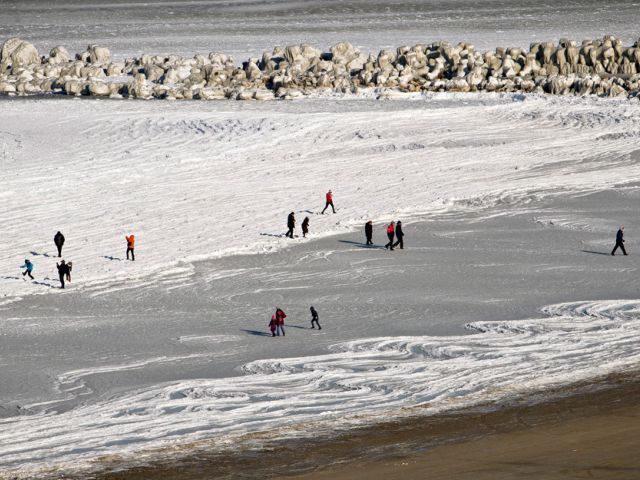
pixel 399 235
pixel 305 227
pixel 314 318
pixel 59 241
pixel 619 241
pixel 291 223
pixel 368 232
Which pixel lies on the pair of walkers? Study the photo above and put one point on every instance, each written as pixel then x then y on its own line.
pixel 64 271
pixel 395 230
pixel 276 325
pixel 291 224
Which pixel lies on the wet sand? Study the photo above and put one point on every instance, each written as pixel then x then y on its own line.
pixel 586 431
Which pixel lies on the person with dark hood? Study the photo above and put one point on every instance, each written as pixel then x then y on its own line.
pixel 390 235
pixel 28 268
pixel 131 245
pixel 58 239
pixel 399 235
pixel 280 316
pixel 329 198
pixel 273 325
pixel 305 227
pixel 368 232
pixel 619 241
pixel 291 224
pixel 314 318
pixel 63 271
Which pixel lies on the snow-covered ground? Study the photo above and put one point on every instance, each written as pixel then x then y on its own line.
pixel 194 181
pixel 171 349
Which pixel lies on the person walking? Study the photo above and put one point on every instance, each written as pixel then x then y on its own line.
pixel 291 224
pixel 329 198
pixel 305 227
pixel 58 239
pixel 314 318
pixel 399 236
pixel 619 241
pixel 63 271
pixel 390 235
pixel 280 316
pixel 68 274
pixel 368 232
pixel 131 245
pixel 28 266
pixel 273 325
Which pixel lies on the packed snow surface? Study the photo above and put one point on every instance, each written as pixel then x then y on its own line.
pixel 195 181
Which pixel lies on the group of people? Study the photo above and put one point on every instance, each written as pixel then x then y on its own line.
pixel 64 268
pixel 276 325
pixel 394 230
pixel 291 219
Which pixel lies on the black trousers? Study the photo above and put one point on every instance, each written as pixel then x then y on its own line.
pixel 61 275
pixel 390 244
pixel 369 241
pixel 133 256
pixel 400 242
pixel 315 319
pixel 27 272
pixel 59 250
pixel 327 205
pixel 289 233
pixel 621 245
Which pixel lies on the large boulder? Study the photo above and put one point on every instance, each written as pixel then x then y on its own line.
pixel 99 55
pixel 344 53
pixel 8 48
pixel 58 55
pixel 17 53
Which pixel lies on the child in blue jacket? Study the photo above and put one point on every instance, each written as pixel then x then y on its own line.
pixel 28 266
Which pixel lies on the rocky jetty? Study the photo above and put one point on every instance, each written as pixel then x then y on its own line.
pixel 595 67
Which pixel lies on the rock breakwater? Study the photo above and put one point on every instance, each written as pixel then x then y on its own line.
pixel 595 67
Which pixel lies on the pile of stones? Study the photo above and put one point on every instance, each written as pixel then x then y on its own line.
pixel 595 67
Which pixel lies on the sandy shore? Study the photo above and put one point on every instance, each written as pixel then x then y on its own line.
pixel 591 435
pixel 587 431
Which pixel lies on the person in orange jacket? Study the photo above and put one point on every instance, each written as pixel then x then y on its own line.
pixel 329 198
pixel 390 234
pixel 131 244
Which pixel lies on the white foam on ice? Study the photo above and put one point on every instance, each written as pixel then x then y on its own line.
pixel 353 384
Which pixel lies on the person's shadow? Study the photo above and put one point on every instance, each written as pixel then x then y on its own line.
pixel 36 254
pixel 112 258
pixel 257 333
pixel 360 244
pixel 596 253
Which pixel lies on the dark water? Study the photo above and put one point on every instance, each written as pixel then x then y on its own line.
pixel 247 27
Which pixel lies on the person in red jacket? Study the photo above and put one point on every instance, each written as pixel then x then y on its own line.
pixel 329 202
pixel 390 235
pixel 131 244
pixel 280 316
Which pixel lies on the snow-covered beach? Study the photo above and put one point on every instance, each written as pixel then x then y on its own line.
pixel 506 288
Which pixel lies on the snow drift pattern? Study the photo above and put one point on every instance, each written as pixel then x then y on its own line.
pixel 356 383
